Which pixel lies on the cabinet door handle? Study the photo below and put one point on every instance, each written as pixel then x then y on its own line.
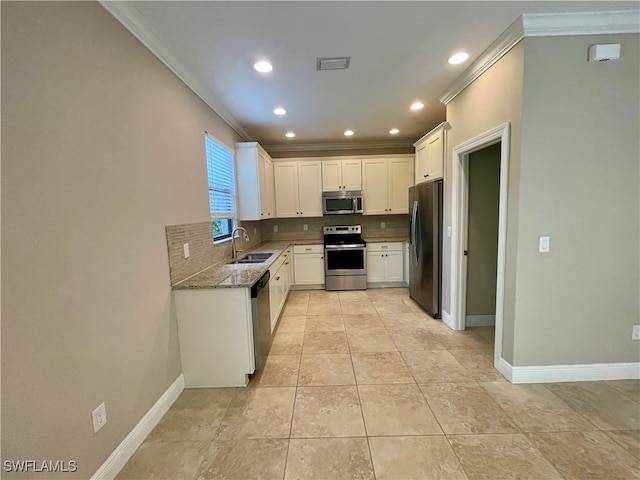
pixel 286 263
pixel 426 175
pixel 308 249
pixel 385 246
pixel 321 258
pixel 277 278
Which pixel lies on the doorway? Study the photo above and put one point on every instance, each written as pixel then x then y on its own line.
pixel 460 218
pixel 482 236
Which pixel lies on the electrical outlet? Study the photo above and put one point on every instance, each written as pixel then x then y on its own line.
pixel 635 332
pixel 185 248
pixel 543 246
pixel 275 228
pixel 305 227
pixel 383 225
pixel 255 230
pixel 99 416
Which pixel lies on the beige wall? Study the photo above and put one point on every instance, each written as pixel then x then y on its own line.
pixel 482 243
pixel 579 185
pixel 574 176
pixel 102 148
pixel 491 100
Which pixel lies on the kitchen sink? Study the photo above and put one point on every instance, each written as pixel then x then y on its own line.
pixel 244 260
pixel 252 258
pixel 257 256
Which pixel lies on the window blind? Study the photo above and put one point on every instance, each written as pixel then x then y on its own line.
pixel 222 185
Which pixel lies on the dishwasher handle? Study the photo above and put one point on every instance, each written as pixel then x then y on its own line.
pixel 262 282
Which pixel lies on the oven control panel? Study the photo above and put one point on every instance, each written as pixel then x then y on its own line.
pixel 342 229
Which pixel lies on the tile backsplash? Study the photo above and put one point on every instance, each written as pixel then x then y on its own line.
pixel 202 251
pixel 293 228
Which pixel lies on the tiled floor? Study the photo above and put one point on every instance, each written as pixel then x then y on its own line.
pixel 364 385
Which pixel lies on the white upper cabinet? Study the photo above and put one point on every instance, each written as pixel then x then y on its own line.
pixel 386 183
pixel 430 154
pixel 341 174
pixel 256 196
pixel 400 178
pixel 298 188
pixel 374 182
pixel 286 182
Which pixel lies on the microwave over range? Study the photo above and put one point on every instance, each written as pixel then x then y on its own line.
pixel 342 203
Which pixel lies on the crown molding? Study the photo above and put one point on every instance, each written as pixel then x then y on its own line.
pixel 308 147
pixel 128 16
pixel 498 49
pixel 581 23
pixel 544 25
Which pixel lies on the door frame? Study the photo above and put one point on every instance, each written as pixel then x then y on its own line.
pixel 459 216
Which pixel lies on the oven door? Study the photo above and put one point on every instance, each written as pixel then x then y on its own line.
pixel 345 260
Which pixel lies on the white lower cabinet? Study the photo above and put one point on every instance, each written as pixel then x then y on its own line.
pixel 385 262
pixel 215 331
pixel 406 262
pixel 279 286
pixel 308 263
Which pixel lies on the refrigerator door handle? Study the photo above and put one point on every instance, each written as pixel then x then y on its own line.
pixel 414 219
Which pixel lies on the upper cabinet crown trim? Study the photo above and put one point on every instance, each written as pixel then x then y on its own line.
pixel 443 125
pixel 313 147
pixel 544 25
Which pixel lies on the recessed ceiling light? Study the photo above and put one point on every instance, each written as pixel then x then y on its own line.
pixel 417 105
pixel 393 131
pixel 348 133
pixel 263 66
pixel 279 111
pixel 458 58
pixel 289 134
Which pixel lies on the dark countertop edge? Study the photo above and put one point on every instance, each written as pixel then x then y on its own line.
pixel 385 239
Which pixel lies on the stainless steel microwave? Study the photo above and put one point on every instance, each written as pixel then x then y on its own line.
pixel 342 203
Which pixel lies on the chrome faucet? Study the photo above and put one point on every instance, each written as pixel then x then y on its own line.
pixel 234 250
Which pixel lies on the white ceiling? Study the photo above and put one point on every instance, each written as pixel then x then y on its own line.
pixel 398 51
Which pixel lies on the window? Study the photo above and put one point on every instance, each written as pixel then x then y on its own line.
pixel 222 188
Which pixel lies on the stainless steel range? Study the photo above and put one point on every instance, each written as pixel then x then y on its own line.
pixel 345 258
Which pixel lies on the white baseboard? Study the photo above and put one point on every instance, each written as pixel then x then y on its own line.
pixel 446 318
pixel 569 373
pixel 123 452
pixel 480 320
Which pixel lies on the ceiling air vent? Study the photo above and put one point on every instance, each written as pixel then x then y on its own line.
pixel 333 63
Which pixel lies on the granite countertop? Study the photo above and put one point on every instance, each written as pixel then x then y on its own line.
pixel 401 238
pixel 224 275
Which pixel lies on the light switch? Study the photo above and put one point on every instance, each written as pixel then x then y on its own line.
pixel 275 228
pixel 383 225
pixel 543 246
pixel 449 232
pixel 305 227
pixel 185 248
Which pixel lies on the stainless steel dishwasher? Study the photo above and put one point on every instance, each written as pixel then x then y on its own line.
pixel 260 312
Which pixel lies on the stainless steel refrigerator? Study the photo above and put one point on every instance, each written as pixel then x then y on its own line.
pixel 425 246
